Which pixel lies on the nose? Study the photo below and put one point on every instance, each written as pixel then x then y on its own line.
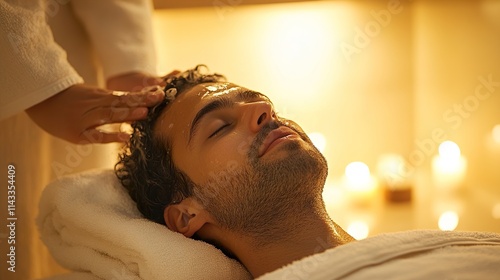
pixel 261 114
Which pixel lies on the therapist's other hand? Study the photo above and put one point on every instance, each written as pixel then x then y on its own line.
pixel 75 113
pixel 135 81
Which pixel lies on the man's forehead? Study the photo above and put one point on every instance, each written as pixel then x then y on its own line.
pixel 217 89
pixel 184 107
pixel 204 91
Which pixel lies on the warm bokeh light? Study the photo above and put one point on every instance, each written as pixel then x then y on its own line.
pixel 448 221
pixel 318 140
pixel 495 133
pixel 391 163
pixel 391 169
pixel 358 230
pixel 333 195
pixel 357 173
pixel 449 167
pixel 296 54
pixel 296 42
pixel 449 150
pixel 359 183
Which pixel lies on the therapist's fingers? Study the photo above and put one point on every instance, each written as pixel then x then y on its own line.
pixel 96 136
pixel 76 113
pixel 106 115
pixel 132 81
pixel 147 97
pixel 169 75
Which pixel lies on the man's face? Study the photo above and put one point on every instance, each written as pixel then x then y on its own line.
pixel 244 160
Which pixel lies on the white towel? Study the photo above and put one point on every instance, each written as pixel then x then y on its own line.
pixel 424 254
pixel 90 224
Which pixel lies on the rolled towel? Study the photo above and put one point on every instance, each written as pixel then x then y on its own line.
pixel 90 224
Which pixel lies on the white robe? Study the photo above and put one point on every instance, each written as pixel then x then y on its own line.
pixel 94 39
pixel 90 35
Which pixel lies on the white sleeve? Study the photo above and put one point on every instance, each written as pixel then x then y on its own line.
pixel 121 33
pixel 33 67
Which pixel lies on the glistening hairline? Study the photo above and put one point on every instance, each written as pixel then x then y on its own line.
pixel 164 106
pixel 145 167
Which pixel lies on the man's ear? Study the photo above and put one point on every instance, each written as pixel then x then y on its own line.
pixel 187 217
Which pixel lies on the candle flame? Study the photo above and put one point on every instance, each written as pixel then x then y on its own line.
pixel 358 173
pixel 448 221
pixel 449 150
pixel 358 230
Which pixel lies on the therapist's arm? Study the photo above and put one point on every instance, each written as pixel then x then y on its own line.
pixel 75 113
pixel 36 77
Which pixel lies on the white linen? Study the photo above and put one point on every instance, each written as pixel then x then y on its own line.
pixel 426 254
pixel 90 224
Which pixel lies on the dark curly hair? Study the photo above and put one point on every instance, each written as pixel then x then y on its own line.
pixel 145 167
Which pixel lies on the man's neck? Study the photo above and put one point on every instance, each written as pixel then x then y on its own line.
pixel 303 238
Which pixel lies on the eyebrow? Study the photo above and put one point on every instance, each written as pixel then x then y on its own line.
pixel 223 102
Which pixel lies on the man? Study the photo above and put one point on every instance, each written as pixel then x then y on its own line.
pixel 221 166
pixel 215 162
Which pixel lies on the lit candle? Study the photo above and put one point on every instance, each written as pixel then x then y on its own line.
pixel 448 221
pixel 359 183
pixel 358 229
pixel 395 178
pixel 449 166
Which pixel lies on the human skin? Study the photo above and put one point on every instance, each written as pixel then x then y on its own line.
pixel 75 113
pixel 213 154
pixel 223 142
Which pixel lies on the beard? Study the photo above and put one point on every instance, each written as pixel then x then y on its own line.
pixel 262 198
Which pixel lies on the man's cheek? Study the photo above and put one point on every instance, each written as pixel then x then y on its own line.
pixel 221 177
pixel 244 146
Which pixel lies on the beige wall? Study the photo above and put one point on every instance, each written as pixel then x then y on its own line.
pixel 381 92
pixel 361 101
pixel 456 43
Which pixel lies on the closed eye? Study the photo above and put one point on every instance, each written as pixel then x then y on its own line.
pixel 219 130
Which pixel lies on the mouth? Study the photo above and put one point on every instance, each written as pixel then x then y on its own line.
pixel 275 137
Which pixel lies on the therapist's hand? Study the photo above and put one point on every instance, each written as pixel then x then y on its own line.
pixel 135 81
pixel 74 113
